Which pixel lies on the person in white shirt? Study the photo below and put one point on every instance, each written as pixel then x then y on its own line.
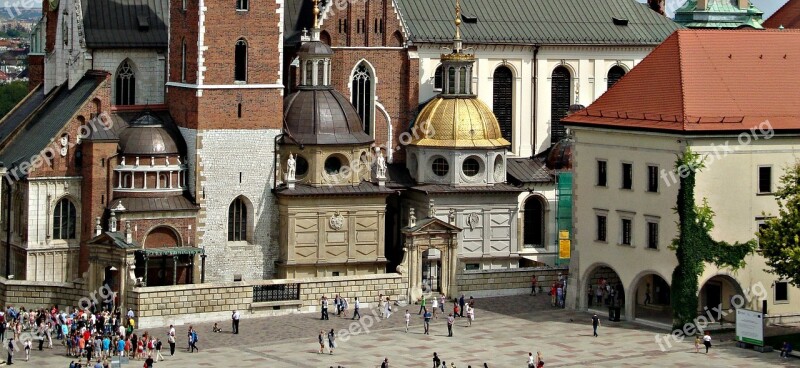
pixel 356 310
pixel 171 340
pixel 408 320
pixel 531 363
pixel 235 320
pixel 435 306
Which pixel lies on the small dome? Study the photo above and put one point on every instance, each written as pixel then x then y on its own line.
pixel 458 123
pixel 315 48
pixel 147 136
pixel 322 116
pixel 560 155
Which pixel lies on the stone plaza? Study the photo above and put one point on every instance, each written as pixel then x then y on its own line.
pixel 504 331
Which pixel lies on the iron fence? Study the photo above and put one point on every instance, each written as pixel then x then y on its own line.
pixel 276 293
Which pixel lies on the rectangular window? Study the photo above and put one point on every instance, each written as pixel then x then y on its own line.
pixel 627 227
pixel 358 25
pixel 242 5
pixel 781 291
pixel 472 266
pixel 341 23
pixel 652 179
pixel 652 235
pixel 601 228
pixel 765 179
pixel 375 26
pixel 380 26
pixel 602 173
pixel 627 176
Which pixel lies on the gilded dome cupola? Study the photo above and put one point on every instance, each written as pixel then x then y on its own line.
pixel 457 139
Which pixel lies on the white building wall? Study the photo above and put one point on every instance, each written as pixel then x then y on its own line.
pixel 149 66
pixel 223 157
pixel 51 259
pixel 729 182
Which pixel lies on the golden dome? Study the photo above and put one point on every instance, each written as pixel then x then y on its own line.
pixel 457 123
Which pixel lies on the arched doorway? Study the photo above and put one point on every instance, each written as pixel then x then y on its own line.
pixel 605 285
pixel 534 222
pixel 651 299
pixel 164 260
pixel 717 298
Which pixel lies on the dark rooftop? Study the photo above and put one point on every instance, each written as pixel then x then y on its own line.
pixel 528 170
pixel 126 23
pixel 365 188
pixel 142 204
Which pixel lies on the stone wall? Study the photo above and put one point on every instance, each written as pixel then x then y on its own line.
pixel 181 304
pixel 486 283
pixel 38 294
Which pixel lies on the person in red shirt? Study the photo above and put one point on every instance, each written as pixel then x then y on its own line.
pixel 553 294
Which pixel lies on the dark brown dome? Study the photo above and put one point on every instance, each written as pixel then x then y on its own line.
pixel 147 136
pixel 322 116
pixel 560 156
pixel 315 48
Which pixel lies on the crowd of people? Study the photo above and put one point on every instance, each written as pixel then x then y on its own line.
pixel 92 335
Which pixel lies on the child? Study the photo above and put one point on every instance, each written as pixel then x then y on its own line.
pixel 697 344
pixel 408 320
pixel 216 328
pixel 27 349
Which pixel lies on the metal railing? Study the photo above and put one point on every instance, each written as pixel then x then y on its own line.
pixel 276 293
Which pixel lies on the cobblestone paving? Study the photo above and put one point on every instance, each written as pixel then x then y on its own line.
pixel 504 331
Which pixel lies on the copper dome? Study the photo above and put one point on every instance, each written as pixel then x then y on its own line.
pixel 147 136
pixel 560 155
pixel 322 116
pixel 314 48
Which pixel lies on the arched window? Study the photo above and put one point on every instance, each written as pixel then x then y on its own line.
pixel 533 234
pixel 64 220
pixel 559 102
pixel 437 78
pixel 237 220
pixel 397 39
pixel 126 84
pixel 502 103
pixel 614 74
pixel 183 60
pixel 462 80
pixel 451 80
pixel 240 59
pixel 363 95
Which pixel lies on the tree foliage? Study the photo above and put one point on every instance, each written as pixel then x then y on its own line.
pixel 780 236
pixel 10 95
pixel 694 246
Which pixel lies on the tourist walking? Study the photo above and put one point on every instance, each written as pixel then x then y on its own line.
pixel 27 350
pixel 324 305
pixel 427 319
pixel 385 363
pixel 331 341
pixel 436 361
pixel 171 340
pixel 388 305
pixel 235 321
pixel 707 340
pixel 697 343
pixel 533 285
pixel 192 336
pixel 595 324
pixel 434 306
pixel 408 320
pixel 531 362
pixel 442 301
pixel 470 315
pixel 10 351
pixel 345 304
pixel 381 306
pixel 461 303
pixel 356 309
pixel 539 359
pixel 421 305
pixel 321 338
pixel 450 321
pixel 158 349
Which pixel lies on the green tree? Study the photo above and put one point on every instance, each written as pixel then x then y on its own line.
pixel 780 237
pixel 694 246
pixel 11 94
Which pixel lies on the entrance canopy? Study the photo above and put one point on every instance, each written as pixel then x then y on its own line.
pixel 176 251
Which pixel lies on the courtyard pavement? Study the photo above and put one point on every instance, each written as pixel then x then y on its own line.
pixel 504 331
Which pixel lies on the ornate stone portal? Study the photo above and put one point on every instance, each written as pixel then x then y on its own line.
pixel 425 235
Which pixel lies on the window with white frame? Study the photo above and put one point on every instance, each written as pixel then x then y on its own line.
pixel 602 173
pixel 64 216
pixel 627 175
pixel 652 178
pixel 602 227
pixel 243 5
pixel 652 234
pixel 765 179
pixel 626 227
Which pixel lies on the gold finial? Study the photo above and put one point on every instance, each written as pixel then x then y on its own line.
pixel 316 13
pixel 458 20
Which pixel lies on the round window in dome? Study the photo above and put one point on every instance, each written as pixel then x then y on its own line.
pixel 332 165
pixel 302 166
pixel 440 166
pixel 471 166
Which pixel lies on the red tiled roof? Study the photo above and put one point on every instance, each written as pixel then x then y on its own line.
pixel 787 16
pixel 706 81
pixel 3 76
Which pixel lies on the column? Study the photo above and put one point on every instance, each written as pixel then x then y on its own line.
pixel 453 260
pixel 325 75
pixel 119 179
pixel 174 270
pixel 144 173
pixel 190 277
pixel 146 260
pixel 158 179
pixel 381 235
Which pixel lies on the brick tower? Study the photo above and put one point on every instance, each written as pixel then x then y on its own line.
pixel 224 91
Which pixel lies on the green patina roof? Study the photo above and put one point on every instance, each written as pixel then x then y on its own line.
pixel 567 22
pixel 176 251
pixel 718 14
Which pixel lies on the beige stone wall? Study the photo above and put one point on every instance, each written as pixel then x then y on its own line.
pixel 180 304
pixel 33 294
pixel 484 283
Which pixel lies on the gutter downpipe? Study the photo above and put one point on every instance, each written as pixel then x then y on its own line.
pixel 534 97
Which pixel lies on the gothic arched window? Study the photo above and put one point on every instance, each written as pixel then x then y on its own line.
pixel 125 84
pixel 559 102
pixel 437 78
pixel 614 74
pixel 240 59
pixel 237 220
pixel 363 95
pixel 502 103
pixel 64 220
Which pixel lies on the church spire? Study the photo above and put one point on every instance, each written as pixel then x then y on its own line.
pixel 457 38
pixel 315 30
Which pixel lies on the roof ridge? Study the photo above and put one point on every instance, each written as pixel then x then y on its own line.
pixel 681 60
